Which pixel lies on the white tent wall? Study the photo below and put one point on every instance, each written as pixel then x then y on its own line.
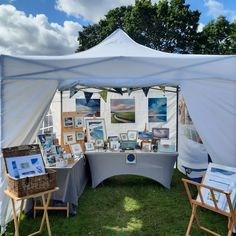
pixel 141 111
pixel 24 106
pixel 212 107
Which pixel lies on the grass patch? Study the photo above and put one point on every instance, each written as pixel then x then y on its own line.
pixel 128 206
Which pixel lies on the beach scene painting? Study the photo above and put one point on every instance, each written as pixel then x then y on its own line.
pixel 122 111
pixel 88 109
pixel 157 110
pixel 95 129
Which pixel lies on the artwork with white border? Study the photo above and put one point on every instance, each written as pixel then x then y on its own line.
pixel 69 138
pixel 76 149
pixel 79 135
pixel 89 146
pixel 132 135
pixel 79 122
pixel 68 121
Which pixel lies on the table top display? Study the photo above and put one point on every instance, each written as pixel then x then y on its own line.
pixel 154 165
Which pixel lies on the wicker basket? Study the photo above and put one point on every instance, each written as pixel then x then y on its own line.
pixel 31 185
pixel 28 185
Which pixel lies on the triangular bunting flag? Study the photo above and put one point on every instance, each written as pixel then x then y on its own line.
pixel 88 96
pixel 146 90
pixel 119 90
pixel 163 88
pixel 73 91
pixel 130 90
pixel 103 95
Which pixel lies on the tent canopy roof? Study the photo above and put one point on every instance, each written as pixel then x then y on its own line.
pixel 118 61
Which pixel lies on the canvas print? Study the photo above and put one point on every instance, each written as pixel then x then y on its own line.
pixel 157 110
pixel 122 111
pixel 95 129
pixel 89 109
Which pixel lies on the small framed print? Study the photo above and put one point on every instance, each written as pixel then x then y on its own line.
pixel 114 145
pixel 161 133
pixel 79 122
pixel 146 146
pixel 89 146
pixel 113 138
pixel 69 138
pixel 99 143
pixel 79 135
pixel 76 149
pixel 68 121
pixel 132 135
pixel 124 137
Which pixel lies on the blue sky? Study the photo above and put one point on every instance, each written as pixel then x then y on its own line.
pixel 30 26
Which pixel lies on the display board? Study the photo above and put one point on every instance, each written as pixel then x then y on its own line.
pixel 72 130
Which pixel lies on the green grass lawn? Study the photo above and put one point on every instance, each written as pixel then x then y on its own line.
pixel 128 205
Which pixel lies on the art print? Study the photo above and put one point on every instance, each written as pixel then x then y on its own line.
pixel 68 121
pixel 95 129
pixel 79 122
pixel 122 111
pixel 157 109
pixel 88 109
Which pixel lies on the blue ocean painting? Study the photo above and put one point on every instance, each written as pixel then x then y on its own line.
pixel 88 109
pixel 157 110
pixel 96 130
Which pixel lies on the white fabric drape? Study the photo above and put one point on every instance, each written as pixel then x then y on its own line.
pixel 23 108
pixel 212 107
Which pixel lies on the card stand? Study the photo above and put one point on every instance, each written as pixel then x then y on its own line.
pixel 199 202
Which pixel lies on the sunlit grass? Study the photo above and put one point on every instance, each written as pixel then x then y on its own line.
pixel 128 206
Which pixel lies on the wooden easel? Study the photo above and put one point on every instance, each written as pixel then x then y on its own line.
pixel 45 207
pixel 199 202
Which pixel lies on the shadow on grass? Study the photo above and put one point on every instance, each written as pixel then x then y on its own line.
pixel 129 206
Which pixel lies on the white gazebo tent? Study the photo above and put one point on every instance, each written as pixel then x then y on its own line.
pixel 207 82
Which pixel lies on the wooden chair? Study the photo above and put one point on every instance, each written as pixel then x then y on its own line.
pixel 199 202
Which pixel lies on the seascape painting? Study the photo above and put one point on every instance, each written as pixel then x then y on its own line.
pixel 122 111
pixel 157 110
pixel 95 129
pixel 89 109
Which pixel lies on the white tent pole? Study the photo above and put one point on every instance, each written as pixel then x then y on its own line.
pixel 177 118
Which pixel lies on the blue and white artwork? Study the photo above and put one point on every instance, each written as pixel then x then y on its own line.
pixel 157 110
pixel 95 129
pixel 88 109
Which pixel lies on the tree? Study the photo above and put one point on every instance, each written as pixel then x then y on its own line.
pixel 168 26
pixel 218 37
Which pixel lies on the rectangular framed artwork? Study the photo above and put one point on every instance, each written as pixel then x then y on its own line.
pixel 95 129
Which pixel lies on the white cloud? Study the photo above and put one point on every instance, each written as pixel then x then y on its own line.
pixel 31 35
pixel 216 8
pixel 91 10
pixel 200 27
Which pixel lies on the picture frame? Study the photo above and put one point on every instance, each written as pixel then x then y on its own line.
pixel 95 129
pixel 76 149
pixel 99 143
pixel 89 146
pixel 25 166
pixel 123 136
pixel 146 146
pixel 68 121
pixel 69 138
pixel 114 145
pixel 79 135
pixel 132 135
pixel 161 133
pixel 79 122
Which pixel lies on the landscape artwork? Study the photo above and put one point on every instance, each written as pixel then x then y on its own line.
pixel 122 111
pixel 95 129
pixel 157 110
pixel 88 109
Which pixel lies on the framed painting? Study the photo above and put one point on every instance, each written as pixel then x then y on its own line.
pixel 157 110
pixel 88 109
pixel 122 111
pixel 68 121
pixel 95 129
pixel 79 122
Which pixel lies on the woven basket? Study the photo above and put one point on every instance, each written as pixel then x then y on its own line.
pixel 31 185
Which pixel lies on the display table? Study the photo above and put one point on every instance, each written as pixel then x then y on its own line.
pixel 43 195
pixel 154 165
pixel 71 181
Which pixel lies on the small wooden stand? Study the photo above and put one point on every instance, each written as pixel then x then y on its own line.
pixel 199 201
pixel 22 199
pixel 54 208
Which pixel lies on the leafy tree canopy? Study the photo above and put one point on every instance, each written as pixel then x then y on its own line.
pixel 169 26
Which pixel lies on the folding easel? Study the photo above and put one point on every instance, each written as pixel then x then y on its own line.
pixel 199 202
